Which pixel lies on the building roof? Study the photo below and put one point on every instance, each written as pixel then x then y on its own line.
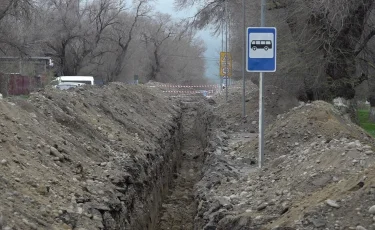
pixel 25 58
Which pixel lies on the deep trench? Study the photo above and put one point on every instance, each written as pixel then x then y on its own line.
pixel 179 207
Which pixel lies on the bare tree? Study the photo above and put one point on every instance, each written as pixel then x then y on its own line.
pixel 123 36
pixel 159 32
pixel 102 38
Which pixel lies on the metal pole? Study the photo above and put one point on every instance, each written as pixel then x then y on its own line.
pixel 226 50
pixel 261 87
pixel 222 48
pixel 222 36
pixel 244 59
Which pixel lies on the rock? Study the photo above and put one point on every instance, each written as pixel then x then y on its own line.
pixel 244 193
pixel 332 203
pixel 253 122
pixel 223 200
pixel 43 190
pixel 233 197
pixel 262 207
pixel 359 227
pixel 372 209
pixel 4 162
pixel 54 152
pixel 209 226
pixel 351 145
pixel 367 147
pixel 369 152
pixel 1 96
pixel 239 222
pixel 318 222
pixel 321 180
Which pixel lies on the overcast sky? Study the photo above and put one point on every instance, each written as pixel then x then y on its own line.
pixel 213 44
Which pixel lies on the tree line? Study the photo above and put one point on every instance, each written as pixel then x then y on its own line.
pixel 112 40
pixel 325 48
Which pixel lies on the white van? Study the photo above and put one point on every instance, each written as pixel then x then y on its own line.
pixel 69 85
pixel 88 80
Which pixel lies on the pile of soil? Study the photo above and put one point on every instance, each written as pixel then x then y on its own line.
pixel 319 174
pixel 305 124
pixel 87 158
pixel 276 101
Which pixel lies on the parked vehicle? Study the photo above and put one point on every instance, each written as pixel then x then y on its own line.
pixel 69 85
pixel 88 80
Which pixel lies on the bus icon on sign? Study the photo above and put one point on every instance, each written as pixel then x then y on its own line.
pixel 261 44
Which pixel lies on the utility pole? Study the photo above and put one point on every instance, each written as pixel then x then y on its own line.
pixel 222 48
pixel 244 59
pixel 226 51
pixel 261 89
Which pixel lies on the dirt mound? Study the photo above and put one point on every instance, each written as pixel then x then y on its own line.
pixel 305 124
pixel 276 101
pixel 319 174
pixel 88 158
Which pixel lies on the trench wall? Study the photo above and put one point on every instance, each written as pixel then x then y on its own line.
pixel 88 158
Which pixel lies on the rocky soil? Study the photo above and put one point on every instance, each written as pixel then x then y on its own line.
pixel 131 157
pixel 318 174
pixel 89 158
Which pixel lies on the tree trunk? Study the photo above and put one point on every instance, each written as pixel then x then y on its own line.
pixel 155 69
pixel 115 73
pixel 338 46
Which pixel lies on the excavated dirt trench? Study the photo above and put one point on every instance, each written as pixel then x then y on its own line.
pixel 111 158
pixel 179 207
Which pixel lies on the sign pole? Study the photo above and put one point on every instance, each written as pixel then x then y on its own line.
pixel 226 50
pixel 261 87
pixel 244 60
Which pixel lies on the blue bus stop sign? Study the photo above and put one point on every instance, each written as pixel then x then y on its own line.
pixel 261 49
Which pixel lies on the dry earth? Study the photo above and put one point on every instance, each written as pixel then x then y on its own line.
pixel 92 158
pixel 318 174
pixel 276 101
pixel 130 157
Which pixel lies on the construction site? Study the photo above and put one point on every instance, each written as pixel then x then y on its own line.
pixel 134 157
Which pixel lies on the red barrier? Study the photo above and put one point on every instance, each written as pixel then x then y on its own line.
pixel 23 85
pixel 19 85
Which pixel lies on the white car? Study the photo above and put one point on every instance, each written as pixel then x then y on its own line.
pixel 68 85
